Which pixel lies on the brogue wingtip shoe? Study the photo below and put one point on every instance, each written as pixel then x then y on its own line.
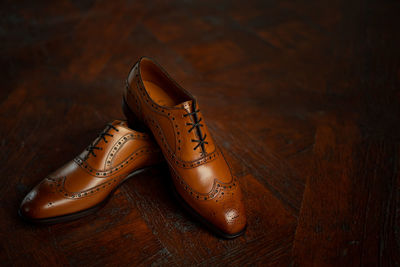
pixel 83 185
pixel 201 175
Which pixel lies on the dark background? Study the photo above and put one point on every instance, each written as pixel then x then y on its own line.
pixel 303 97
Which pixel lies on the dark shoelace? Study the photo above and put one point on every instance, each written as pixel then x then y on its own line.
pixel 102 135
pixel 196 125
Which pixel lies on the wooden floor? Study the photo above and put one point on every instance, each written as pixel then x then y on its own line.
pixel 302 96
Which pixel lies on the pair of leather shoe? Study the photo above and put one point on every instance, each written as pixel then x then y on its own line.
pixel 174 131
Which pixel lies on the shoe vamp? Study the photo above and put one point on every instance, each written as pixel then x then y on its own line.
pixel 77 179
pixel 202 178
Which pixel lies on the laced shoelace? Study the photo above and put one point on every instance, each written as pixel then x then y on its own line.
pixel 102 135
pixel 196 125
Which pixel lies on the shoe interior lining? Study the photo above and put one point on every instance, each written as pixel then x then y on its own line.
pixel 160 88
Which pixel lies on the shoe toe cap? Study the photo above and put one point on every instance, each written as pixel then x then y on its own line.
pixel 225 213
pixel 39 203
pixel 231 218
pixel 31 206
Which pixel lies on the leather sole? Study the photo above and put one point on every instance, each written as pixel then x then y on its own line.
pixel 82 213
pixel 132 118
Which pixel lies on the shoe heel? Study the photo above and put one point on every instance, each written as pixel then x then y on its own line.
pixel 133 121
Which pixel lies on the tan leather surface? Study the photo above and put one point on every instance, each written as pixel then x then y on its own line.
pixel 88 179
pixel 200 172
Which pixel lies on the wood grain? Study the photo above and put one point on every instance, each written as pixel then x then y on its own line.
pixel 303 98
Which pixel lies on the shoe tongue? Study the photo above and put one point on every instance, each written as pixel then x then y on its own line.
pixel 118 123
pixel 187 105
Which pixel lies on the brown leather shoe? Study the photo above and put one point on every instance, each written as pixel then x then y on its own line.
pixel 81 186
pixel 200 172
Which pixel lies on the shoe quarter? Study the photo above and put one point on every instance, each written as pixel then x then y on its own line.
pixel 169 126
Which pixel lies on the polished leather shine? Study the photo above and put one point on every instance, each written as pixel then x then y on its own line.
pixel 201 175
pixel 87 180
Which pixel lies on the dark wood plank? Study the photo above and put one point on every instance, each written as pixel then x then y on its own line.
pixel 303 97
pixel 190 243
pixel 351 199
